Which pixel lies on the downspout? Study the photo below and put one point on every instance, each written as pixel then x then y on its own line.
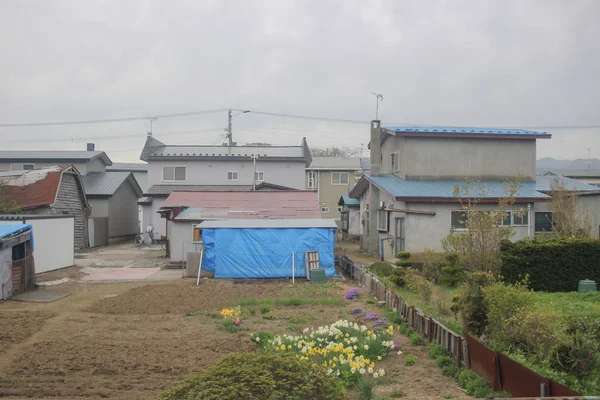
pixel 529 220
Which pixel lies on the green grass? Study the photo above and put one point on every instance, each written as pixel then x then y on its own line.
pixel 291 301
pixel 570 304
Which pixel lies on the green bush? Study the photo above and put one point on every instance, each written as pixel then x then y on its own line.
pixel 258 376
pixel 399 276
pixel 382 269
pixel 265 309
pixel 579 353
pixel 403 260
pixel 503 301
pixel 436 351
pixel 410 359
pixel 404 255
pixel 472 303
pixel 417 284
pixel 432 265
pixel 452 272
pixel 416 339
pixel 555 265
pixel 404 329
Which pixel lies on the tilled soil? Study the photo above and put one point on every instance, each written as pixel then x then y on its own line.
pixel 132 340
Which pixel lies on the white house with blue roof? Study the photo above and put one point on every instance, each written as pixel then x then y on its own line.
pixel 407 201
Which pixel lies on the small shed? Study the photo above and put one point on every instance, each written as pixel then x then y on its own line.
pixel 350 216
pixel 17 267
pixel 276 248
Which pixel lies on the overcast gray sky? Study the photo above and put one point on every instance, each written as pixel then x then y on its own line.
pixel 465 63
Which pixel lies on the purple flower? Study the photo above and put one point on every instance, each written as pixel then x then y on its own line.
pixel 381 322
pixel 371 316
pixel 358 311
pixel 377 328
pixel 352 294
pixel 397 347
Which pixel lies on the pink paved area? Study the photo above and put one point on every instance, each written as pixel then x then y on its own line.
pixel 120 274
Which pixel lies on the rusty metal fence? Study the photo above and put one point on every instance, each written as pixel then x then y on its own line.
pixel 498 369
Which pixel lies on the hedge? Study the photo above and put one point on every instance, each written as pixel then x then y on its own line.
pixel 555 265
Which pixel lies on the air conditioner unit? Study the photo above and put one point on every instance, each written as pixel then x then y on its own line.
pixel 382 204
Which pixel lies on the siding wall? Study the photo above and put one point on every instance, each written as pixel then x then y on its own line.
pixel 329 194
pixel 123 212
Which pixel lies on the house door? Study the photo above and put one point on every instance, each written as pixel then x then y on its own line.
pixel 399 235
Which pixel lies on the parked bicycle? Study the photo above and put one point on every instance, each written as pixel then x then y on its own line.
pixel 146 238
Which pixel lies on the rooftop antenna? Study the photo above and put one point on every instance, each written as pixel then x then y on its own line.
pixel 151 119
pixel 589 160
pixel 379 97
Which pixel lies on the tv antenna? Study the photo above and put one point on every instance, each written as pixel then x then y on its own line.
pixel 379 97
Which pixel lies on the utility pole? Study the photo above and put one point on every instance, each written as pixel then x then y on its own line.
pixel 152 119
pixel 254 158
pixel 229 135
pixel 379 97
pixel 589 161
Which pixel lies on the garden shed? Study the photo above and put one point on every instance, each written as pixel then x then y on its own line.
pixel 275 248
pixel 17 269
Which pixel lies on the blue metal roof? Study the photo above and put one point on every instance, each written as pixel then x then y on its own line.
pixel 453 130
pixel 13 229
pixel 543 183
pixel 349 201
pixel 401 188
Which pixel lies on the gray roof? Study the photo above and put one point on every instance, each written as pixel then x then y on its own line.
pixel 145 200
pixel 51 155
pixel 335 163
pixel 165 190
pixel 365 164
pixel 107 183
pixel 269 223
pixel 137 167
pixel 581 173
pixel 543 183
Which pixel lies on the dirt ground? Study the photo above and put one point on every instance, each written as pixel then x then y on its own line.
pixel 132 340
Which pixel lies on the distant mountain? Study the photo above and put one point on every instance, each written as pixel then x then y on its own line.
pixel 549 163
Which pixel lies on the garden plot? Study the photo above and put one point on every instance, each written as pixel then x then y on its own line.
pixel 133 340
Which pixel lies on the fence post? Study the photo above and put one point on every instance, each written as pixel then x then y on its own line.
pixel 412 317
pixel 430 330
pixel 458 351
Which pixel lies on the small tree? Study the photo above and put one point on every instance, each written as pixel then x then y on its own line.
pixel 334 152
pixel 452 273
pixel 8 205
pixel 568 220
pixel 479 244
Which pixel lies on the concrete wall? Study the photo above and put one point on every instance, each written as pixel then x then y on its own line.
pixel 123 212
pixel 455 159
pixel 289 174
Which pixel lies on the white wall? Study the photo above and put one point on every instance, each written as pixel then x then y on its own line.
pixel 152 217
pixel 354 221
pixel 99 207
pixel 180 240
pixel 291 174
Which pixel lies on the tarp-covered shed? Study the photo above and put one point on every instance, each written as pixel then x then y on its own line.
pixel 17 269
pixel 273 248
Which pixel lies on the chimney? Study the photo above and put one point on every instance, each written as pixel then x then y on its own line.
pixel 375 147
pixel 92 146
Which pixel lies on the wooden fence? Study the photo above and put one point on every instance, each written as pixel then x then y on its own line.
pixel 467 351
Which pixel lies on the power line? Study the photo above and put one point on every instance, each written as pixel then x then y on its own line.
pixel 108 120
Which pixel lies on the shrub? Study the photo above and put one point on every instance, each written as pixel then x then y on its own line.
pixel 258 376
pixel 554 265
pixel 382 269
pixel 578 354
pixel 404 260
pixel 436 351
pixel 417 284
pixel 471 301
pixel 503 301
pixel 452 272
pixel 432 265
pixel 404 255
pixel 262 338
pixel 399 276
pixel 410 359
pixel 416 339
pixel 366 388
pixel 265 309
pixel 404 329
pixel 447 364
pixel 440 301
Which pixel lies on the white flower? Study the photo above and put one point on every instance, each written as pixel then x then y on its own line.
pixel 378 358
pixel 362 371
pixel 257 339
pixel 375 375
pixel 355 347
pixel 366 347
pixel 399 352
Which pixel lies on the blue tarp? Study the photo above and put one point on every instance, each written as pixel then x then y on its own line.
pixel 13 229
pixel 265 252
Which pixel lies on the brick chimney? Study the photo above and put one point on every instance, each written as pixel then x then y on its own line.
pixel 375 147
pixel 92 147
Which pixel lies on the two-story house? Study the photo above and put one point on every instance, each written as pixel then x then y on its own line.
pixel 217 168
pixel 112 195
pixel 407 201
pixel 332 177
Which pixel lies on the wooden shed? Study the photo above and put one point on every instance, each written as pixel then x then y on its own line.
pixel 17 267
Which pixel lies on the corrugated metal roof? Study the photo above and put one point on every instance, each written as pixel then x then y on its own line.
pixel 365 164
pixel 226 151
pixel 196 214
pixel 145 200
pixel 34 188
pixel 13 229
pixel 457 130
pixel 128 167
pixel 335 163
pixel 580 173
pixel 250 204
pixel 543 183
pixel 165 190
pixel 270 223
pixel 104 183
pixel 51 155
pixel 349 201
pixel 401 188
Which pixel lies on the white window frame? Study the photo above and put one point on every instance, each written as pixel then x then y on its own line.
pixel 259 173
pixel 384 227
pixel 237 176
pixel 324 210
pixel 312 180
pixel 340 209
pixel 174 167
pixel 339 174
pixel 520 214
pixel 21 166
pixel 395 162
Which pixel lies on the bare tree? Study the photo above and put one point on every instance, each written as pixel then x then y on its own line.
pixel 8 205
pixel 478 244
pixel 258 144
pixel 344 152
pixel 568 219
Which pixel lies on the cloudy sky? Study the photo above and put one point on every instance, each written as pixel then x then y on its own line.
pixel 465 63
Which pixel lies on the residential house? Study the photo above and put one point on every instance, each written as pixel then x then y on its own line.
pixel 185 209
pixel 217 168
pixel 407 199
pixel 350 217
pixel 332 177
pixel 102 185
pixel 139 171
pixel 589 176
pixel 54 190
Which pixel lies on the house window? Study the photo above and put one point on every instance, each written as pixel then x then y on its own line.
pixel 197 235
pixel 507 220
pixel 232 176
pixel 312 180
pixel 340 208
pixel 259 176
pixel 458 220
pixel 520 218
pixel 22 167
pixel 543 222
pixel 382 220
pixel 395 162
pixel 339 178
pixel 171 173
pixel 367 227
pixel 324 210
